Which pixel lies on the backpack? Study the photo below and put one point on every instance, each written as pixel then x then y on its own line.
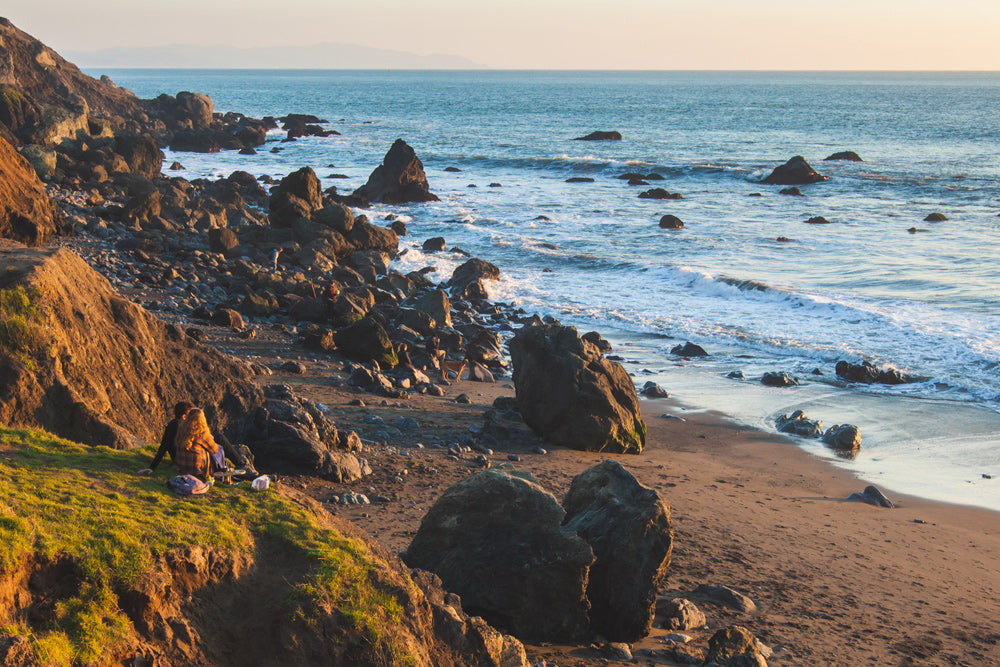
pixel 187 485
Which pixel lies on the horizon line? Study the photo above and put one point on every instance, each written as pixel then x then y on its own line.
pixel 533 69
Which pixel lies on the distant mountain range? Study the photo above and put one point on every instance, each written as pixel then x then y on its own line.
pixel 314 56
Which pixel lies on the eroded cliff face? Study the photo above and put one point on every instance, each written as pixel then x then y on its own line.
pixel 105 371
pixel 26 212
pixel 40 90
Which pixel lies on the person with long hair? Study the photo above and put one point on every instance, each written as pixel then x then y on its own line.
pixel 195 446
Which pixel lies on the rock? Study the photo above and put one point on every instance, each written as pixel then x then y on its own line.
pixel 817 220
pixel 496 539
pixel 795 172
pixel 400 178
pixel 479 373
pixel 849 156
pixel 628 527
pixel 580 179
pixel 681 614
pixel 798 424
pixel 728 646
pixel 141 154
pixel 176 166
pixel 26 212
pixel 726 596
pixel 791 192
pixel 569 394
pixel 435 244
pixel 659 193
pixel 653 390
pixel 335 216
pixel 618 652
pixel 437 305
pixel 873 496
pixel 366 236
pixel 293 368
pixel 598 340
pixel 223 240
pixel 845 439
pixel 936 217
pixel 868 373
pixel 227 317
pixel 365 341
pixel 671 222
pixel 297 196
pixel 472 271
pixel 778 380
pixel 601 136
pixel 689 350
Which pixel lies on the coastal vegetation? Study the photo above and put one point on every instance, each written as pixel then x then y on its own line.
pixel 84 508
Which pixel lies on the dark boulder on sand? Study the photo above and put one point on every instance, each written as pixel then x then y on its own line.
pixel 847 156
pixel 601 136
pixel 571 395
pixel 844 439
pixel 498 541
pixel 872 495
pixel 734 646
pixel 400 178
pixel 628 527
pixel 366 340
pixel 671 222
pixel 795 172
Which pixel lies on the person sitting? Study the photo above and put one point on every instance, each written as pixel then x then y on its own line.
pixel 167 442
pixel 195 446
pixel 403 356
pixel 434 351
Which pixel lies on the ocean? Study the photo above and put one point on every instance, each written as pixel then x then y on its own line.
pixel 593 255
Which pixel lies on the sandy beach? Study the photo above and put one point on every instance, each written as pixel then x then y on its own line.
pixel 834 582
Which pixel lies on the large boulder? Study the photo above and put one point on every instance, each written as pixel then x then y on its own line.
pixel 497 540
pixel 571 395
pixel 844 439
pixel 437 305
pixel 473 271
pixel 628 527
pixel 26 212
pixel 297 196
pixel 141 154
pixel 798 424
pixel 734 647
pixel 795 172
pixel 400 178
pixel 366 236
pixel 366 341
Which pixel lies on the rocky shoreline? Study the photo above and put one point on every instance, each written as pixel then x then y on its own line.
pixel 238 279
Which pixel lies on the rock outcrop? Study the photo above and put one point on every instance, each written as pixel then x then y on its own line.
pixel 628 527
pixel 400 178
pixel 798 424
pixel 599 135
pixel 497 540
pixel 844 439
pixel 26 212
pixel 795 172
pixel 571 395
pixel 867 373
pixel 846 156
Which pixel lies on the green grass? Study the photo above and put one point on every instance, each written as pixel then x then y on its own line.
pixel 60 498
pixel 22 324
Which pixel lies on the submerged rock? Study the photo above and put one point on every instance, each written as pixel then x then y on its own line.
pixel 671 222
pixel 689 349
pixel 798 424
pixel 601 136
pixel 845 439
pixel 848 156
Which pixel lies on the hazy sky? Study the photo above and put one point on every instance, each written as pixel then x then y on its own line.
pixel 556 34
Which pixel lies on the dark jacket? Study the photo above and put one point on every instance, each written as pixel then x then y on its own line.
pixel 166 444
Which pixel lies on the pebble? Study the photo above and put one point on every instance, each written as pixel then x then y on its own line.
pixel 513 457
pixel 676 638
pixel 539 450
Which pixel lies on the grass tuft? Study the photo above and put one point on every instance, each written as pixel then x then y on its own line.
pixel 22 324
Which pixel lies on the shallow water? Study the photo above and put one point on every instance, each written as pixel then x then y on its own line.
pixel 859 288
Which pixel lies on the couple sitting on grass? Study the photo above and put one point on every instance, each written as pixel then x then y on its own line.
pixel 191 446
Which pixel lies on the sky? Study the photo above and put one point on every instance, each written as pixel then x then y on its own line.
pixel 555 34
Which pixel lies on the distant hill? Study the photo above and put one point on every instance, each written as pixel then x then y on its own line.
pixel 314 56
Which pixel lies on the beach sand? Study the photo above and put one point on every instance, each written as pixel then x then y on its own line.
pixel 835 582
